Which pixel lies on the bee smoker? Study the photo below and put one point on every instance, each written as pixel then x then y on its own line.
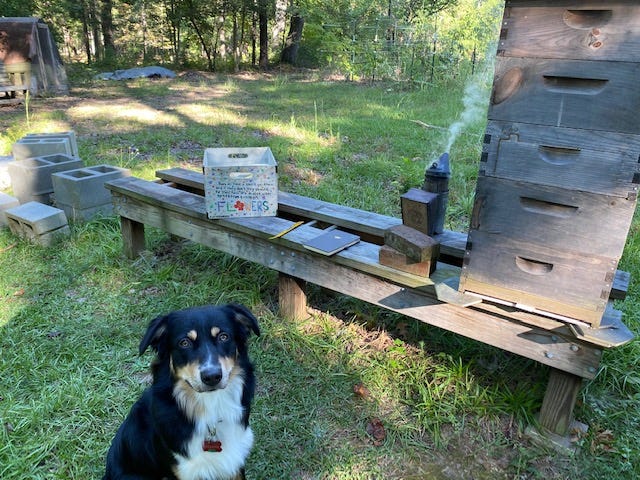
pixel 436 180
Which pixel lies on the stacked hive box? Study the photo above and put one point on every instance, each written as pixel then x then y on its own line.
pixel 560 166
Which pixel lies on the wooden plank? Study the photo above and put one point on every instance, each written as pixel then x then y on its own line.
pixel 587 29
pixel 582 222
pixel 292 297
pixel 611 332
pixel 511 336
pixel 132 237
pixel 345 217
pixel 567 93
pixel 370 225
pixel 362 256
pixel 573 159
pixel 556 414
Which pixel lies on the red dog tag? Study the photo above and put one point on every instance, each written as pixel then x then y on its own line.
pixel 211 445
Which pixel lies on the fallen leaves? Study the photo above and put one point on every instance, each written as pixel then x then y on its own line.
pixel 375 429
pixel 603 442
pixel 361 391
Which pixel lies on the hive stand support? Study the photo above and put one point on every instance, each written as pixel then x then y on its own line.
pixel 292 297
pixel 132 237
pixel 556 415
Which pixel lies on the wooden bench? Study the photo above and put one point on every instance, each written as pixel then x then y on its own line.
pixel 175 203
pixel 11 83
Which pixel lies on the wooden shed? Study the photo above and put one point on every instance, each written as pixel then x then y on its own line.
pixel 27 45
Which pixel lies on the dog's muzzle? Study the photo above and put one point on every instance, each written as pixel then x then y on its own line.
pixel 211 377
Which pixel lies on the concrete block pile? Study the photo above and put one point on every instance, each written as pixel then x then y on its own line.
pixel 51 185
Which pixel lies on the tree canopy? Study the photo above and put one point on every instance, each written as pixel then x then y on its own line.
pixel 362 39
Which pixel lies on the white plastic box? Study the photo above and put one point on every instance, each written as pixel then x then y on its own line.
pixel 240 182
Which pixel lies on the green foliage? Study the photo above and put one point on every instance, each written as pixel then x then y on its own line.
pixel 18 8
pixel 407 40
pixel 415 45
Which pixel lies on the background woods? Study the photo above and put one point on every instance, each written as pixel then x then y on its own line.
pixel 413 40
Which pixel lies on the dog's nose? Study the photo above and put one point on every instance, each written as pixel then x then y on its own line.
pixel 211 376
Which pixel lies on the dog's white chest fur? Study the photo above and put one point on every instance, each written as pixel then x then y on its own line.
pixel 222 420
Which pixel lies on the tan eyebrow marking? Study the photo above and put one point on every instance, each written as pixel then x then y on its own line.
pixel 215 331
pixel 193 335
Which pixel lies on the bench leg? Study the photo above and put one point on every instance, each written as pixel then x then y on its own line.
pixel 132 237
pixel 556 414
pixel 292 297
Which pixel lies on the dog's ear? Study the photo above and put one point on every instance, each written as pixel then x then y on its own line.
pixel 156 329
pixel 244 317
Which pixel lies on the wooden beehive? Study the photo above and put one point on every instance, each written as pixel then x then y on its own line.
pixel 560 167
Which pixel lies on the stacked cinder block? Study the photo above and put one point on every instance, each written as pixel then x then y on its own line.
pixel 38 223
pixel 37 156
pixel 36 146
pixel 70 136
pixel 81 193
pixel 31 177
pixel 560 167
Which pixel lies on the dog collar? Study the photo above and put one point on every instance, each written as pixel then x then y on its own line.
pixel 211 442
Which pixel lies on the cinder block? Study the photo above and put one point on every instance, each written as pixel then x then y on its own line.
pixel 39 147
pixel 6 202
pixel 38 223
pixel 70 135
pixel 81 193
pixel 31 177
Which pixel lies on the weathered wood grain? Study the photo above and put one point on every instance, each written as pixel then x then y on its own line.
pixel 503 333
pixel 550 279
pixel 292 297
pixel 567 93
pixel 573 159
pixel 132 237
pixel 558 218
pixel 588 30
pixel 371 226
pixel 560 397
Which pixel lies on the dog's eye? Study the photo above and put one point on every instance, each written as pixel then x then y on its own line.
pixel 223 337
pixel 184 343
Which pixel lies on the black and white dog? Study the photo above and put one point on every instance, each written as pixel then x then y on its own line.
pixel 192 423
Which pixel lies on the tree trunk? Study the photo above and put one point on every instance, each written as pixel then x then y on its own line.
pixel 235 46
pixel 203 43
pixel 95 30
pixel 174 29
pixel 253 40
pixel 263 19
pixel 85 31
pixel 292 43
pixel 106 20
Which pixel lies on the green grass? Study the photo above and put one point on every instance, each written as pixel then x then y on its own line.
pixel 71 316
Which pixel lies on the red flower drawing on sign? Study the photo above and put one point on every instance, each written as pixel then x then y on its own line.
pixel 239 205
